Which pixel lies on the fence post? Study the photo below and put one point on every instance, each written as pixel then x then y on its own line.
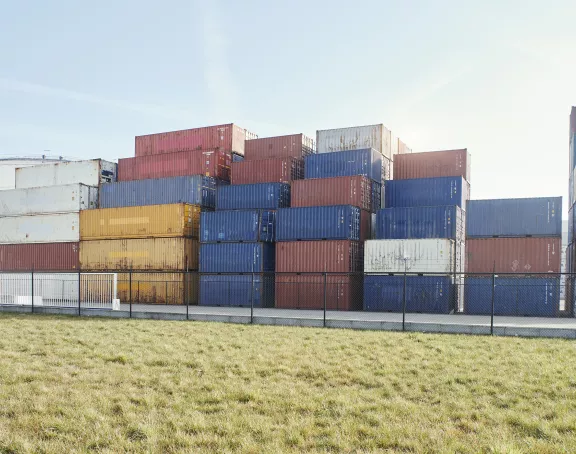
pixel 404 300
pixel 492 311
pixel 252 298
pixel 79 295
pixel 130 289
pixel 186 278
pixel 32 289
pixel 325 277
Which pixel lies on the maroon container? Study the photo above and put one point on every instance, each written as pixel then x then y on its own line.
pixel 306 291
pixel 267 171
pixel 40 257
pixel 293 146
pixel 432 164
pixel 339 256
pixel 228 137
pixel 513 255
pixel 209 163
pixel 353 190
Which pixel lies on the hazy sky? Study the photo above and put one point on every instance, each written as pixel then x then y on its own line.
pixel 82 79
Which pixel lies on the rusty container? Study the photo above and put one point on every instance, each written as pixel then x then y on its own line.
pixel 292 146
pixel 267 171
pixel 159 288
pixel 353 190
pixel 433 164
pixel 39 257
pixel 340 256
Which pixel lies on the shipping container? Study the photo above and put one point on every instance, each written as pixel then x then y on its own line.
pixel 39 257
pixel 365 225
pixel 160 254
pixel 237 257
pixel 228 137
pixel 267 171
pixel 53 199
pixel 571 224
pixel 540 216
pixel 414 256
pixel 151 221
pixel 427 192
pixel 513 255
pixel 240 290
pixel 354 190
pixel 403 148
pixel 158 288
pixel 573 120
pixel 433 164
pixel 377 196
pixel 237 157
pixel 196 189
pixel 90 173
pixel 292 146
pixel 337 222
pixel 424 294
pixel 421 222
pixel 341 256
pixel 238 226
pixel 367 162
pixel 253 196
pixel 208 163
pixel 513 296
pixel 42 228
pixel 354 138
pixel 311 291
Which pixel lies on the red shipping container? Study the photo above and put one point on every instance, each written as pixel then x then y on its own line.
pixel 208 163
pixel 306 291
pixel 267 171
pixel 228 137
pixel 432 164
pixel 293 146
pixel 513 255
pixel 352 190
pixel 338 256
pixel 40 257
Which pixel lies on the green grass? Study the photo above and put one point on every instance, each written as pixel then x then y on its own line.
pixel 97 385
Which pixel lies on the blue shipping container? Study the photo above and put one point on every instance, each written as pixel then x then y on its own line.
pixel 540 216
pixel 420 222
pixel 535 297
pixel 425 294
pixel 427 192
pixel 197 190
pixel 238 226
pixel 338 222
pixel 267 196
pixel 367 162
pixel 236 290
pixel 237 257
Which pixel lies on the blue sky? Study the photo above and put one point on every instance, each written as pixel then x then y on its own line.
pixel 498 77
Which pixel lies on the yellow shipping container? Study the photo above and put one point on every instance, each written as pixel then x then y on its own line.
pixel 139 254
pixel 158 288
pixel 153 221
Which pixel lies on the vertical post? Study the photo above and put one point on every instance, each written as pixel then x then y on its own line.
pixel 325 278
pixel 32 289
pixel 130 289
pixel 252 290
pixel 79 294
pixel 186 278
pixel 493 291
pixel 404 297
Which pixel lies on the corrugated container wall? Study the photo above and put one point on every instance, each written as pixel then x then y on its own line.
pixel 208 163
pixel 90 173
pixel 52 199
pixel 421 222
pixel 354 138
pixel 196 189
pixel 237 290
pixel 140 254
pixel 228 137
pixel 403 148
pixel 158 288
pixel 253 196
pixel 39 257
pixel 238 226
pixel 338 222
pixel 541 216
pixel 513 255
pixel 367 162
pixel 433 164
pixel 44 228
pixel 267 171
pixel 427 192
pixel 341 256
pixel 152 221
pixel 292 146
pixel 236 257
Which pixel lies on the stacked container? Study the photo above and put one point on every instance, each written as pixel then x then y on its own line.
pixel 509 236
pixel 570 288
pixel 421 231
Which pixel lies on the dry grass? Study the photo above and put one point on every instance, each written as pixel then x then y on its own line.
pixel 95 385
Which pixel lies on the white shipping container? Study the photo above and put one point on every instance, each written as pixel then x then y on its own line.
pixel 90 173
pixel 53 199
pixel 419 256
pixel 44 228
pixel 355 138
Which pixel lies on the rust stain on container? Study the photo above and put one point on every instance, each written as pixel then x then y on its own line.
pixel 159 288
pixel 350 190
pixel 319 256
pixel 267 171
pixel 432 164
pixel 39 257
pixel 292 146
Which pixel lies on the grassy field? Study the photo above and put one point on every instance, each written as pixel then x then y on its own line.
pixel 96 385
